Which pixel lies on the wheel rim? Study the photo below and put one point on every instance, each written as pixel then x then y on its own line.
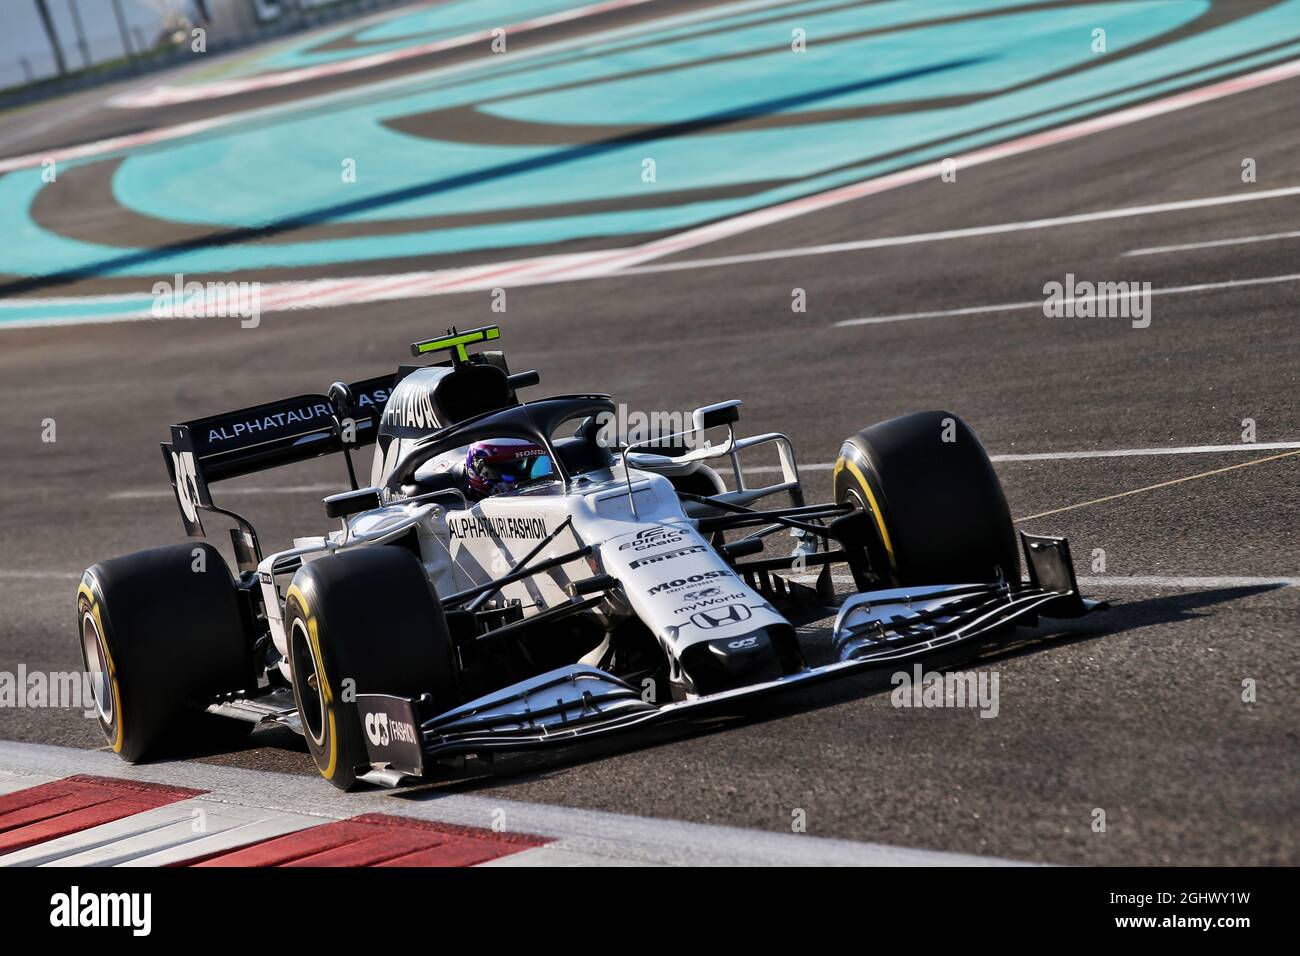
pixel 855 499
pixel 95 657
pixel 306 673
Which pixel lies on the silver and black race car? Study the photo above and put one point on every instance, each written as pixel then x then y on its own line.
pixel 518 575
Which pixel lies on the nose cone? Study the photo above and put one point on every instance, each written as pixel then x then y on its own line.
pixel 739 660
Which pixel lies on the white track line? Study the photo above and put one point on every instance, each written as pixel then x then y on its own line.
pixel 1062 455
pixel 1038 303
pixel 587 835
pixel 170 95
pixel 1175 582
pixel 974 231
pixel 278 490
pixel 10 782
pixel 153 493
pixel 1104 499
pixel 1165 581
pixel 390 86
pixel 1140 452
pixel 1188 583
pixel 594 265
pixel 759 218
pixel 39 575
pixel 1212 244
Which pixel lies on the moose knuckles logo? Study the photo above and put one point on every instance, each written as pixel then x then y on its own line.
pixel 675 585
pixel 381 731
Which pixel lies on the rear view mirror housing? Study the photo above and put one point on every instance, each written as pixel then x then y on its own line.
pixel 712 416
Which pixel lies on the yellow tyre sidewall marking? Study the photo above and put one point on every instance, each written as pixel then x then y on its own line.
pixel 84 591
pixel 313 635
pixel 876 513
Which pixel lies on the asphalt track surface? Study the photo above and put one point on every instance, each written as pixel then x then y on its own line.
pixel 1137 711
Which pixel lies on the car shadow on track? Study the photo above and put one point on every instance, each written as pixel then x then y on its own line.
pixel 1121 618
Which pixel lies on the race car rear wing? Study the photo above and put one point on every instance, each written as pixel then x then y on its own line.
pixel 267 436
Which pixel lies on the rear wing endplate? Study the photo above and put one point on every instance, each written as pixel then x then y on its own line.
pixel 267 436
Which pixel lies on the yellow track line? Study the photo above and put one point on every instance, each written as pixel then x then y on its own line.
pixel 1163 484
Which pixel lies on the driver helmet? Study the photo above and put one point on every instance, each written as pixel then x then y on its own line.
pixel 492 467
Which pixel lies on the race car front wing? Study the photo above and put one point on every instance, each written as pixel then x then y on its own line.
pixel 873 631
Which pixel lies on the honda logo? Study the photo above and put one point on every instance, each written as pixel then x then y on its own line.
pixel 722 616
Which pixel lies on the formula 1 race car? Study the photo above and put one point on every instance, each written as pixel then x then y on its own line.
pixel 515 576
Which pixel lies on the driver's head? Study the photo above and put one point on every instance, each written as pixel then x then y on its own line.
pixel 492 467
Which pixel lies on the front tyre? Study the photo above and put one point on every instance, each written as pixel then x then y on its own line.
pixel 937 507
pixel 362 622
pixel 161 634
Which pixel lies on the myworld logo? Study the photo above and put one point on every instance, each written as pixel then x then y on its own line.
pixel 710 602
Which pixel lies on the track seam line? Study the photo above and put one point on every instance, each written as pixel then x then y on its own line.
pixel 1162 484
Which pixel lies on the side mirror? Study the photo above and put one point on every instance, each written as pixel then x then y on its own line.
pixel 711 416
pixel 351 502
pixel 340 397
pixel 524 379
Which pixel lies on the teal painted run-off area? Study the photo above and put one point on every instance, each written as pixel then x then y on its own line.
pixel 554 145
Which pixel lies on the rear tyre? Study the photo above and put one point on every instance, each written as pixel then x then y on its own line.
pixel 937 506
pixel 161 634
pixel 362 622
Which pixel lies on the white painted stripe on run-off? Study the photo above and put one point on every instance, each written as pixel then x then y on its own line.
pixel 150 493
pixel 1066 455
pixel 1025 144
pixel 1141 452
pixel 1038 303
pixel 38 575
pixel 1168 581
pixel 1185 583
pixel 594 265
pixel 391 86
pixel 248 490
pixel 588 836
pixel 11 782
pixel 170 95
pixel 179 831
pixel 974 231
pixel 1212 244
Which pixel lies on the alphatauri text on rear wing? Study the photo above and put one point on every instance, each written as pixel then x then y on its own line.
pixel 266 436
